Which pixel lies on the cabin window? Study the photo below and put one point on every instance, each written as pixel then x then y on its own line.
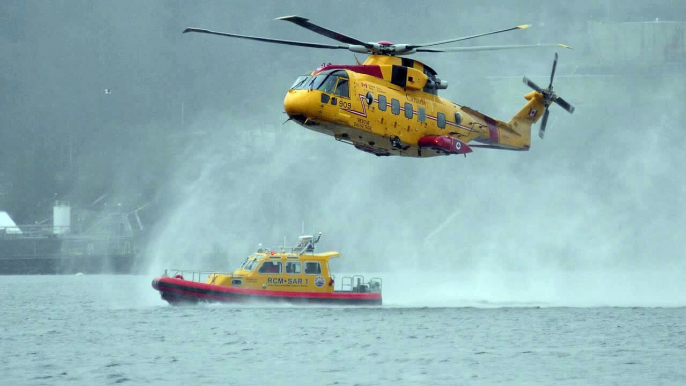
pixel 293 267
pixel 409 110
pixel 395 106
pixel 270 267
pixel 313 268
pixel 440 120
pixel 342 88
pixel 421 114
pixel 382 102
pixel 458 118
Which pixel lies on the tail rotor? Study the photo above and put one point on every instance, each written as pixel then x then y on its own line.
pixel 548 98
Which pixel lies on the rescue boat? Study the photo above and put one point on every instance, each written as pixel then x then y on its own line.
pixel 298 275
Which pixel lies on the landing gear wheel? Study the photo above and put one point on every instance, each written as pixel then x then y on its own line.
pixel 395 142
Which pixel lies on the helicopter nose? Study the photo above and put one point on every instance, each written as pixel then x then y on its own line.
pixel 295 106
pixel 291 104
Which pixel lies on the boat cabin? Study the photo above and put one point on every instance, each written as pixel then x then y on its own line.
pixel 297 270
pixel 308 272
pixel 298 275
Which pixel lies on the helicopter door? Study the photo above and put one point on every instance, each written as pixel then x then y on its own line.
pixel 343 88
pixel 327 84
pixel 329 106
pixel 335 98
pixel 342 95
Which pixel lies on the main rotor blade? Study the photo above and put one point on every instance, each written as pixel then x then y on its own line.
pixel 525 26
pixel 533 85
pixel 552 74
pixel 541 132
pixel 564 104
pixel 268 40
pixel 304 22
pixel 492 48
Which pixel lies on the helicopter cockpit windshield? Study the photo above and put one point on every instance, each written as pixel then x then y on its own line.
pixel 326 81
pixel 302 82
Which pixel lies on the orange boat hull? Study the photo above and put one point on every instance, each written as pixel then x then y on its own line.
pixel 177 291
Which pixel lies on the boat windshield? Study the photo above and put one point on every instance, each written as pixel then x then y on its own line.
pixel 250 264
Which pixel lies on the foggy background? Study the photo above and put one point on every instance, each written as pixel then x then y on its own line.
pixel 193 124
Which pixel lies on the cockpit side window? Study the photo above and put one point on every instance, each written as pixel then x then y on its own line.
pixel 313 268
pixel 342 88
pixel 317 82
pixel 328 85
pixel 293 267
pixel 270 267
pixel 326 81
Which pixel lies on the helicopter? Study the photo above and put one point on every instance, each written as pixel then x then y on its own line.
pixel 389 105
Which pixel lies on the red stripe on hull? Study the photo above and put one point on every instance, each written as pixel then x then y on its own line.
pixel 178 290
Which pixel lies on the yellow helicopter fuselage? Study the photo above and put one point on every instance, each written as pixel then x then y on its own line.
pixel 389 106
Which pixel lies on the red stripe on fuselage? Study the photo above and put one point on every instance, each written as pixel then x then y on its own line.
pixel 492 130
pixel 364 108
pixel 371 70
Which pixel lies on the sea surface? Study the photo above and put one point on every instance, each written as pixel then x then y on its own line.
pixel 102 330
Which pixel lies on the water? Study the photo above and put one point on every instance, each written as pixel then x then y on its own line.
pixel 76 330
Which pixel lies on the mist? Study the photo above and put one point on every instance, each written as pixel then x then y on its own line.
pixel 591 215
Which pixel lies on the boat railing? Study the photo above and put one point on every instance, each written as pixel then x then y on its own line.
pixel 192 274
pixel 356 283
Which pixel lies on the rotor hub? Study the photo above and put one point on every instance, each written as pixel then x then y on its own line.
pixel 548 95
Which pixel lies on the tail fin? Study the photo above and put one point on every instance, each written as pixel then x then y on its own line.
pixel 527 116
